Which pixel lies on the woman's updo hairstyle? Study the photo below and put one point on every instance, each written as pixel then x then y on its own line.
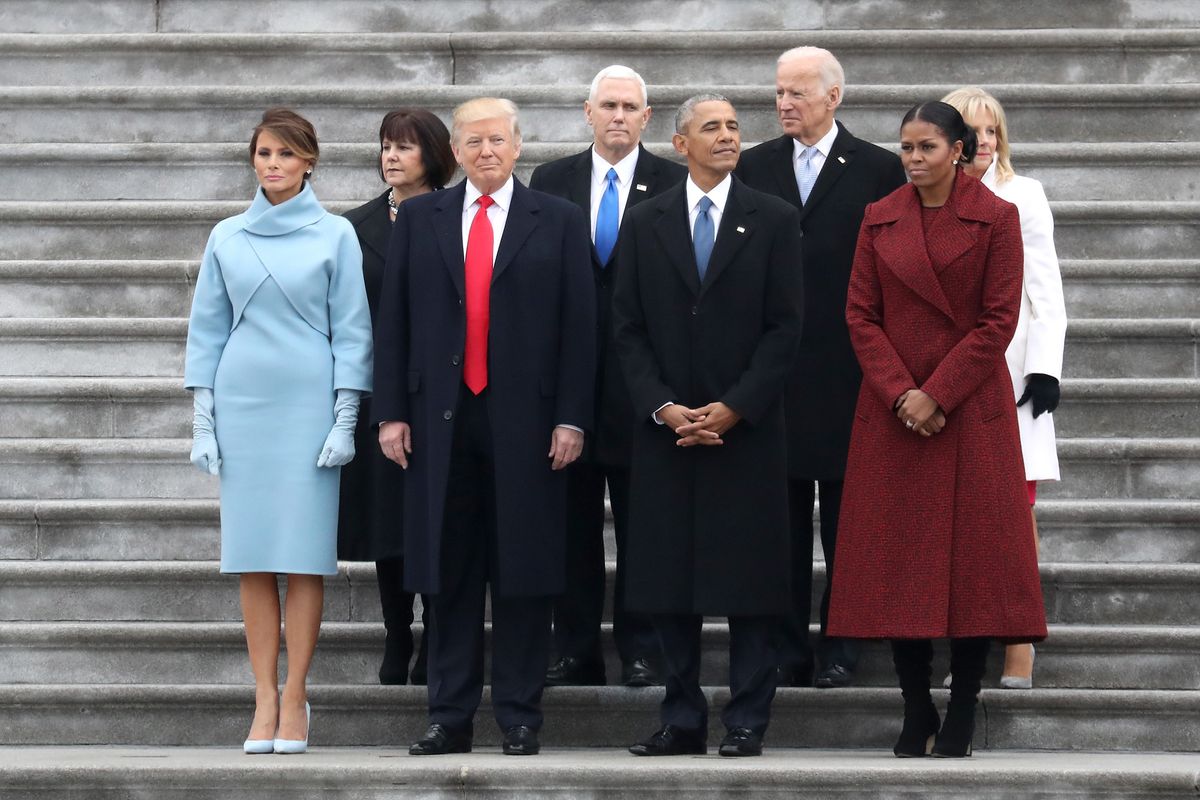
pixel 293 130
pixel 946 119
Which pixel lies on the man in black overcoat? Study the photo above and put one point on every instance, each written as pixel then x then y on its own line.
pixel 485 424
pixel 837 175
pixel 708 318
pixel 617 111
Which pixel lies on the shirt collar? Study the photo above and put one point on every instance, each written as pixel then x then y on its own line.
pixel 502 196
pixel 719 194
pixel 624 167
pixel 989 175
pixel 824 144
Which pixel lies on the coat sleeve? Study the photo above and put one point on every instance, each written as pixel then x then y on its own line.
pixel 783 317
pixel 209 323
pixel 883 370
pixel 1043 284
pixel 349 315
pixel 977 354
pixel 577 332
pixel 643 375
pixel 390 403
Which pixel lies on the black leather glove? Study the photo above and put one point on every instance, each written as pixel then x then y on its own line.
pixel 1043 389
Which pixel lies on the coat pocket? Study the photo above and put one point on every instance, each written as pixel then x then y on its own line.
pixel 414 382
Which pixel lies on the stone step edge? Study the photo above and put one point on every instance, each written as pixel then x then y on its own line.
pixel 1150 269
pixel 33 571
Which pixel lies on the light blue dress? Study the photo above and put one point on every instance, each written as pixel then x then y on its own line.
pixel 279 323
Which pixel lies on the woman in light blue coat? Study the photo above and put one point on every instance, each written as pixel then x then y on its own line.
pixel 278 354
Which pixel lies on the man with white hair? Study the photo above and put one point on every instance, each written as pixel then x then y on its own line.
pixel 484 355
pixel 818 166
pixel 614 174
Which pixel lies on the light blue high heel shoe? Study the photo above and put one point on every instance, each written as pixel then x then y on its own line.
pixel 294 746
pixel 252 747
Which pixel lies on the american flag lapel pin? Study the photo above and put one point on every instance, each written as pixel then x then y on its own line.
pixel 841 160
pixel 740 229
pixel 641 187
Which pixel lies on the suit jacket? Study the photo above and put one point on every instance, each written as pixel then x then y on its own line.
pixel 541 371
pixel 934 539
pixel 708 523
pixel 571 178
pixel 824 383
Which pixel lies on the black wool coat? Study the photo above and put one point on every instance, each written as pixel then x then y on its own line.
pixel 708 526
pixel 823 387
pixel 541 371
pixel 571 178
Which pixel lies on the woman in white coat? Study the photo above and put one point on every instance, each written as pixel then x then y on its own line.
pixel 1035 354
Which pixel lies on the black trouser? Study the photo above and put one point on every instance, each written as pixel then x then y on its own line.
pixel 397 606
pixel 793 642
pixel 751 672
pixel 520 625
pixel 578 612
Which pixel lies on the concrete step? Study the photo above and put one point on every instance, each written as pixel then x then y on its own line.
pixel 94 407
pixel 101 468
pixel 174 229
pixel 1153 531
pixel 1132 348
pixel 1132 289
pixel 728 57
pixel 163 653
pixel 1101 408
pixel 96 288
pixel 208 171
pixel 373 773
pixel 189 715
pixel 1127 468
pixel 92 347
pixel 350 112
pixel 188 591
pixel 82 16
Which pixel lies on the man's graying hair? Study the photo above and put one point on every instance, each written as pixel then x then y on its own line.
pixel 683 117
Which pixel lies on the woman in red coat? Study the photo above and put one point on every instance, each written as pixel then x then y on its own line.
pixel 937 540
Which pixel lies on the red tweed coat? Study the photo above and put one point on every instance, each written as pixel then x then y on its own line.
pixel 935 538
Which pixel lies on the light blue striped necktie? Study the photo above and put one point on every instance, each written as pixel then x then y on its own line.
pixel 606 219
pixel 703 236
pixel 806 174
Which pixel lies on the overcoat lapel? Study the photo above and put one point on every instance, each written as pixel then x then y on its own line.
pixel 522 219
pixel 734 232
pixel 447 225
pixel 904 241
pixel 783 159
pixel 376 228
pixel 579 181
pixel 672 231
pixel 841 153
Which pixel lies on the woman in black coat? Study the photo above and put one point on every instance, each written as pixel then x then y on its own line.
pixel 414 158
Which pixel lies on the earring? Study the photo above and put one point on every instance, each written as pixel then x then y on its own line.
pixel 310 171
pixel 955 162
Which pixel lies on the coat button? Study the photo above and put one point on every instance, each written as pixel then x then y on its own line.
pixel 695 311
pixel 455 360
pixel 447 414
pixel 460 302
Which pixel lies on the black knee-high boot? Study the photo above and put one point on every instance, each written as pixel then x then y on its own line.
pixel 913 659
pixel 968 660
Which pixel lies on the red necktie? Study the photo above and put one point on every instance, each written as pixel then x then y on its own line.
pixel 479 286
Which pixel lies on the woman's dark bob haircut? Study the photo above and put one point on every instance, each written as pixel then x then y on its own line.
pixel 422 128
pixel 946 119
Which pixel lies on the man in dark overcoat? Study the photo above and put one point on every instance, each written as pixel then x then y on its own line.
pixel 610 177
pixel 708 318
pixel 485 360
pixel 819 167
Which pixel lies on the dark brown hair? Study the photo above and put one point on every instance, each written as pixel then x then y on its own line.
pixel 424 129
pixel 290 128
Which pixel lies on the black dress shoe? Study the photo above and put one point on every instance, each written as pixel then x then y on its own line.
pixel 741 742
pixel 640 672
pixel 439 740
pixel 835 676
pixel 572 671
pixel 521 740
pixel 795 675
pixel 671 740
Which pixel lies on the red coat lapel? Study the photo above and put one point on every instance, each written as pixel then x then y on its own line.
pixel 902 243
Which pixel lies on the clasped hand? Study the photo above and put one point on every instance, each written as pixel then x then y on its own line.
pixel 699 426
pixel 920 413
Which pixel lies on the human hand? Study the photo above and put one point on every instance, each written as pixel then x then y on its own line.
pixel 915 409
pixel 565 446
pixel 205 455
pixel 395 440
pixel 1044 391
pixel 709 424
pixel 934 425
pixel 338 449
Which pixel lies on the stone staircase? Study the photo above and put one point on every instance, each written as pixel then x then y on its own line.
pixel 122 141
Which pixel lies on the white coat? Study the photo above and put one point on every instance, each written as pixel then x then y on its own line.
pixel 1037 346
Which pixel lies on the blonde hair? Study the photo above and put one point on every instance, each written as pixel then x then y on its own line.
pixel 485 108
pixel 970 102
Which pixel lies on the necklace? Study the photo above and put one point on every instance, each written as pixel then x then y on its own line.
pixel 392 204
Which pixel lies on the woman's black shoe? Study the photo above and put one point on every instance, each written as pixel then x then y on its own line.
pixel 921 724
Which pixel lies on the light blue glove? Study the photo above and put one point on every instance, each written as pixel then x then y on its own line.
pixel 204 437
pixel 339 444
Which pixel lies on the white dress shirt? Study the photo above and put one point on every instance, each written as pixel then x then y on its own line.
pixel 824 145
pixel 497 213
pixel 625 168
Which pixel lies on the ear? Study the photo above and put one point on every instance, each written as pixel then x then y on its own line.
pixel 680 143
pixel 835 97
pixel 587 111
pixel 646 116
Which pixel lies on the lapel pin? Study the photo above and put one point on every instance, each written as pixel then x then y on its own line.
pixel 641 187
pixel 741 229
pixel 841 160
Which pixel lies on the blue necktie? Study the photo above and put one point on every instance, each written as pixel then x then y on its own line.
pixel 703 236
pixel 806 175
pixel 606 219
